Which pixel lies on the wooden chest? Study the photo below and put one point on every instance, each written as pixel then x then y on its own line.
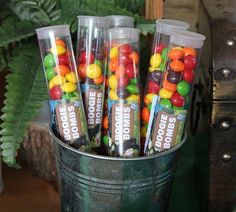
pixel 217 20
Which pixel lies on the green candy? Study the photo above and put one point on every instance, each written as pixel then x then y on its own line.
pixel 178 108
pixel 68 95
pixel 98 63
pixel 166 103
pixel 105 140
pixel 49 61
pixel 162 66
pixel 183 88
pixel 134 81
pixel 146 126
pixel 149 106
pixel 164 54
pixel 50 73
pixel 133 89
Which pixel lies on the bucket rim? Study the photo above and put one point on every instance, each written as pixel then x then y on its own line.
pixel 140 158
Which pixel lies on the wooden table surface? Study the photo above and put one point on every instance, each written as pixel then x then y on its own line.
pixel 25 192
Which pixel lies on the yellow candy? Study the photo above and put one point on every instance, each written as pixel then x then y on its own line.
pixel 68 87
pixel 59 50
pixel 149 97
pixel 143 132
pixel 165 94
pixel 155 60
pixel 71 77
pixel 133 98
pixel 113 52
pixel 113 95
pixel 93 71
pixel 112 82
pixel 58 80
pixel 151 69
pixel 51 84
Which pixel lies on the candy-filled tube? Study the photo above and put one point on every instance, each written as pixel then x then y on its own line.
pixel 123 92
pixel 156 69
pixel 120 21
pixel 91 63
pixel 116 21
pixel 175 91
pixel 66 104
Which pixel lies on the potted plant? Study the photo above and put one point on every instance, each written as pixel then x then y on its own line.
pixel 26 88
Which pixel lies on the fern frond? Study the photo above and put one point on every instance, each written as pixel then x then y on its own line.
pixel 26 90
pixel 41 12
pixel 132 5
pixel 70 9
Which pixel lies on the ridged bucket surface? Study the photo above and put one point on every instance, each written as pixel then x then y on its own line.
pixel 94 183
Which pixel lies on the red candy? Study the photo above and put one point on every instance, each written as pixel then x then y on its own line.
pixel 188 75
pixel 125 49
pixel 130 71
pixel 55 92
pixel 82 71
pixel 153 87
pixel 159 48
pixel 177 100
pixel 86 57
pixel 63 59
pixel 123 82
pixel 124 60
pixel 190 62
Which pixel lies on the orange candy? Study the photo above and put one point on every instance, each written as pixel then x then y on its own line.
pixel 105 122
pixel 62 70
pixel 120 71
pixel 134 57
pixel 145 115
pixel 60 42
pixel 176 54
pixel 113 65
pixel 82 71
pixel 169 86
pixel 189 51
pixel 177 65
pixel 99 80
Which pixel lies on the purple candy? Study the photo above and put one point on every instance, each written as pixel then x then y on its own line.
pixel 122 93
pixel 173 77
pixel 156 76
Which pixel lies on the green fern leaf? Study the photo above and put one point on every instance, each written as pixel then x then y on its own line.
pixel 26 91
pixel 70 9
pixel 132 5
pixel 41 12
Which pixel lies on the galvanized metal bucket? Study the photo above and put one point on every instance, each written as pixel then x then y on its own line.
pixel 94 183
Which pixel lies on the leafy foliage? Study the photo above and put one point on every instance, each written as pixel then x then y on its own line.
pixel 132 5
pixel 41 12
pixel 26 91
pixel 71 8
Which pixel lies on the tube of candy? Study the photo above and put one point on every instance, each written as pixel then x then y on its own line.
pixel 91 62
pixel 116 21
pixel 175 91
pixel 120 21
pixel 124 95
pixel 156 69
pixel 61 76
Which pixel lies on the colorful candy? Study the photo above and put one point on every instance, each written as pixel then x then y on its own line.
pixel 68 117
pixel 170 113
pixel 124 95
pixel 91 61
